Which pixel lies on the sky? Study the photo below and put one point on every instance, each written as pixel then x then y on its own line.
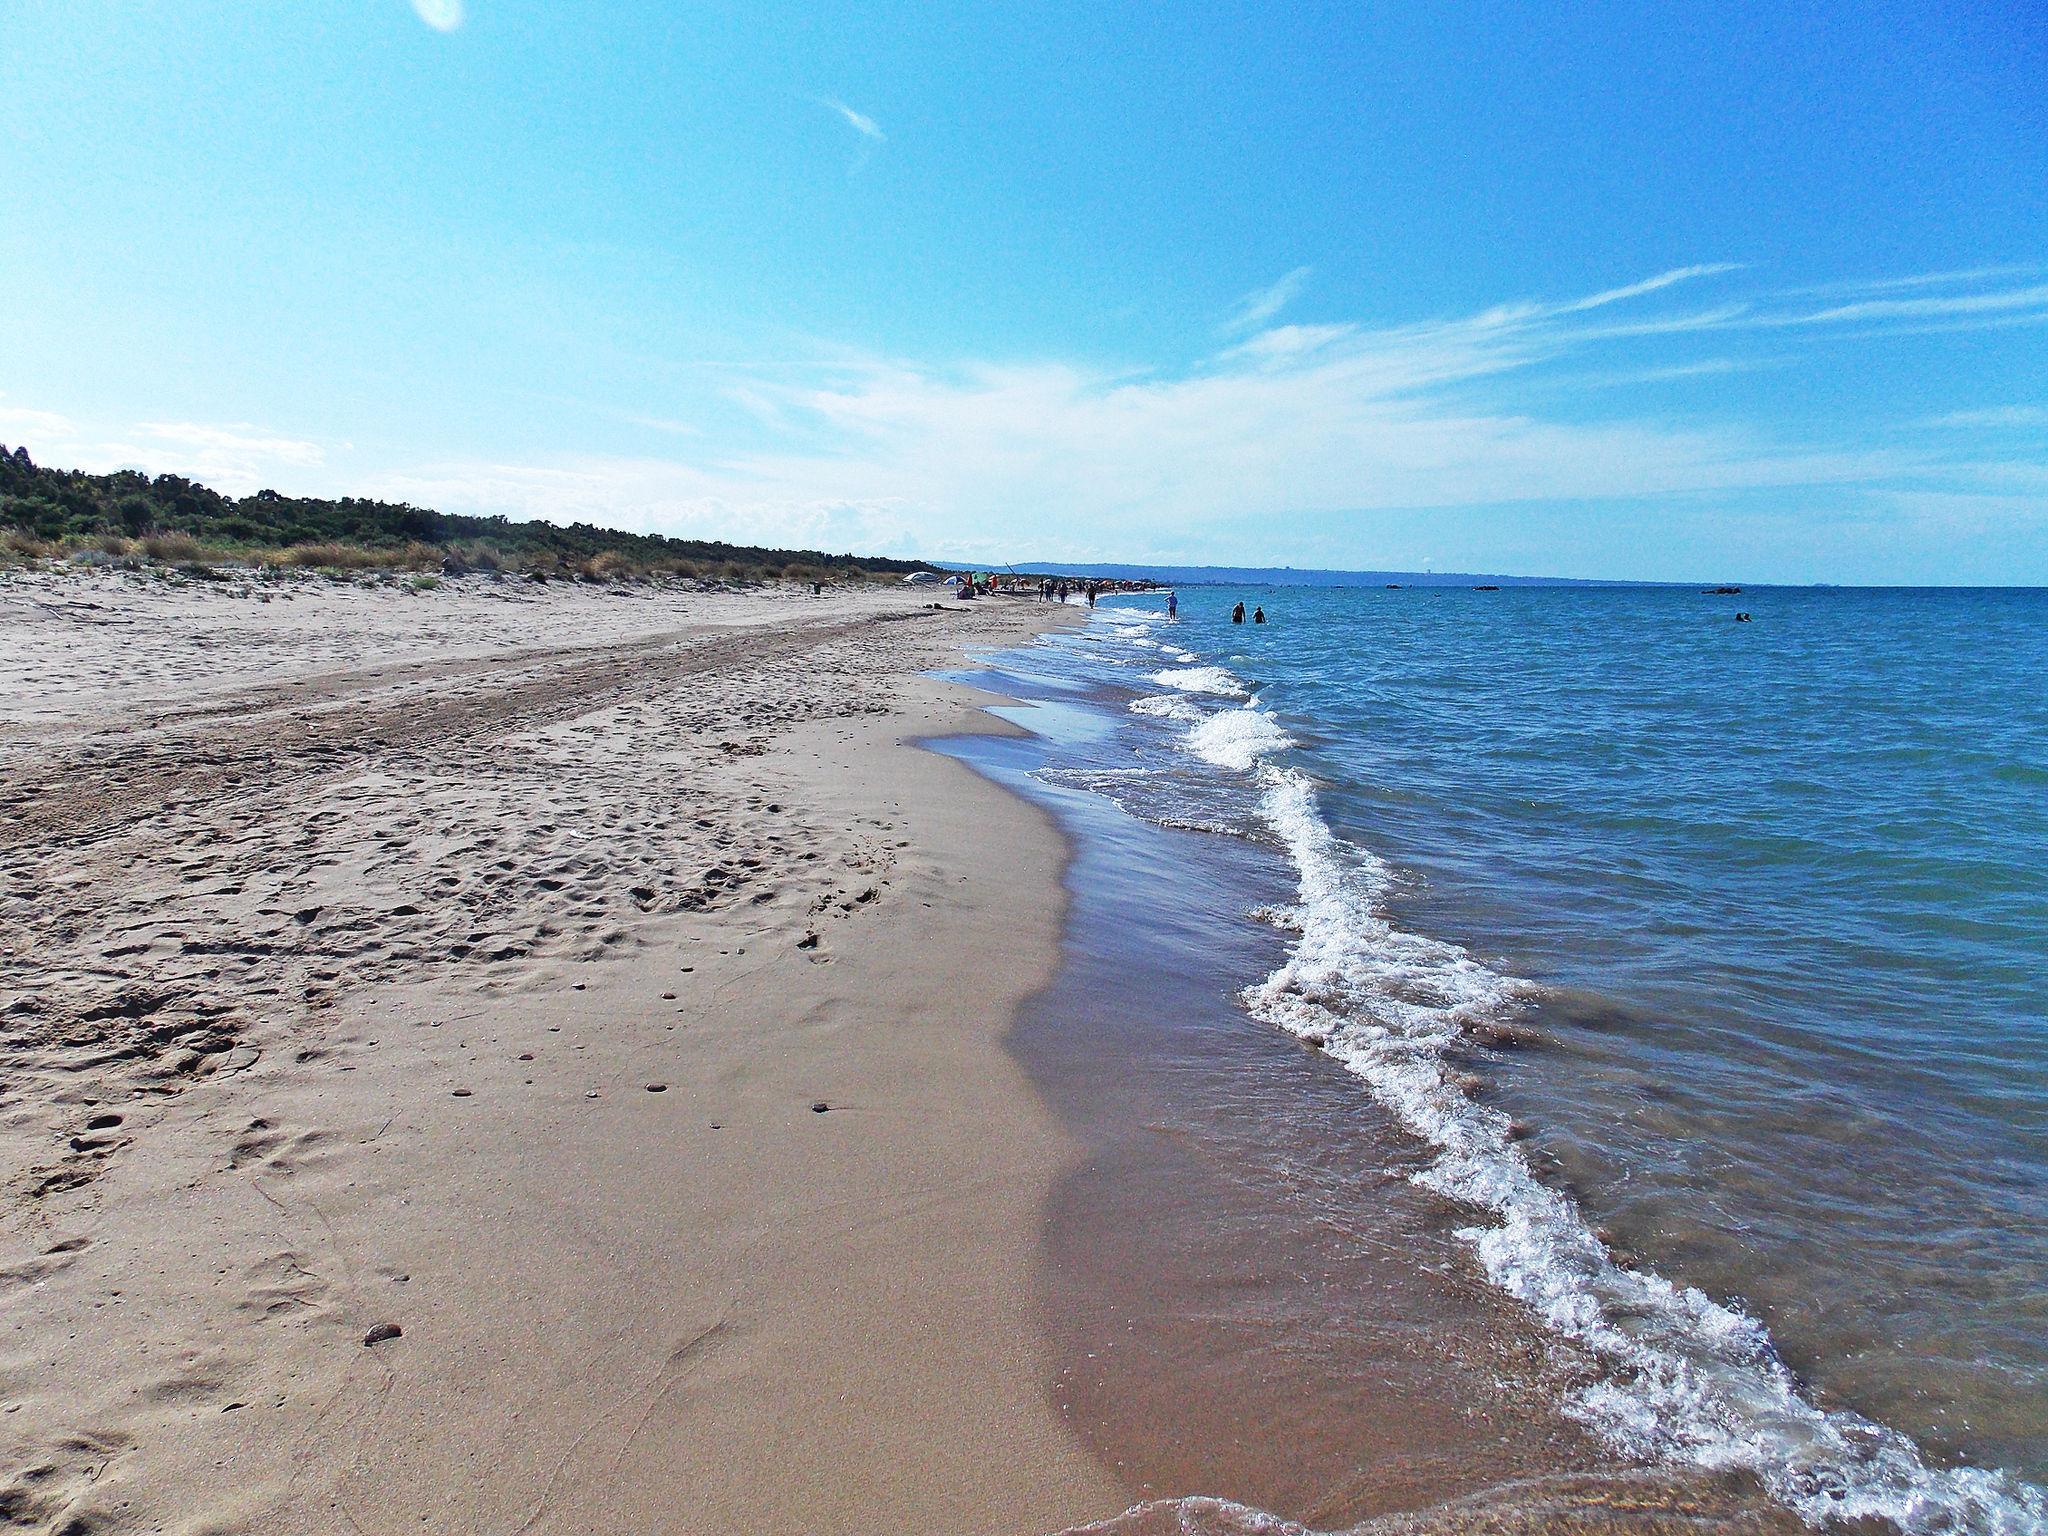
pixel 1684 291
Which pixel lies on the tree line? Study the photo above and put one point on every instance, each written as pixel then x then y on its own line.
pixel 69 505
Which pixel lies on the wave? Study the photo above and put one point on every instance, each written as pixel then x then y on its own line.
pixel 1217 680
pixel 1169 706
pixel 1685 1379
pixel 1238 738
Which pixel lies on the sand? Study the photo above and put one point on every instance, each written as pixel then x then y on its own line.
pixel 510 1058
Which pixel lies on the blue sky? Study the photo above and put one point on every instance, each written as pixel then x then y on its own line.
pixel 1674 291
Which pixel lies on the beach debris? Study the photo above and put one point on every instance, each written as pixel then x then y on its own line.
pixel 381 1332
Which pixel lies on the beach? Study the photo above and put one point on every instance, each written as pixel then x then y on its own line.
pixel 495 1055
pixel 516 1058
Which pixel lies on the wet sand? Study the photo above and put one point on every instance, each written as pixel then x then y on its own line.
pixel 1258 1316
pixel 504 1059
pixel 513 1059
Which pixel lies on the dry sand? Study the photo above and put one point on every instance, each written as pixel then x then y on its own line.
pixel 474 962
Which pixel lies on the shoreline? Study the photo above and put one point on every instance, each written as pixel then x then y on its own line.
pixel 486 993
pixel 1260 1318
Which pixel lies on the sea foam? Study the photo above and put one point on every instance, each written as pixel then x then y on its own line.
pixel 1686 1379
pixel 1216 680
pixel 1238 738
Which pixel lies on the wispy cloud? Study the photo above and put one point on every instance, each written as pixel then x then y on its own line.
pixel 859 122
pixel 1287 424
pixel 441 15
pixel 1944 305
pixel 18 423
pixel 866 127
pixel 1647 285
pixel 1996 417
pixel 1262 304
pixel 1284 441
pixel 241 438
pixel 1962 276
pixel 235 457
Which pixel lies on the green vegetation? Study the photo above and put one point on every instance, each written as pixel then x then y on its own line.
pixel 128 515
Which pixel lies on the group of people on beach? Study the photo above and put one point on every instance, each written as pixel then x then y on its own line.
pixel 1053 589
pixel 1058 591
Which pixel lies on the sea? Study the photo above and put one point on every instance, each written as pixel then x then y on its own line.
pixel 1697 945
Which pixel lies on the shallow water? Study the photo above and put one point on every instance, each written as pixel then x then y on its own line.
pixel 1743 929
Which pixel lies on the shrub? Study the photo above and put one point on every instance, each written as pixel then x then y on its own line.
pixel 171 548
pixel 608 565
pixel 26 546
pixel 333 557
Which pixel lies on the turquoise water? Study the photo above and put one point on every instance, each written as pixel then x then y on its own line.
pixel 1711 958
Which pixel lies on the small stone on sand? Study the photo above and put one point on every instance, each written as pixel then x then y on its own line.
pixel 657 1087
pixel 381 1332
pixel 820 1107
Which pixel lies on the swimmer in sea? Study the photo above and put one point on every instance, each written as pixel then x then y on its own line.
pixel 1173 605
pixel 1237 614
pixel 1258 615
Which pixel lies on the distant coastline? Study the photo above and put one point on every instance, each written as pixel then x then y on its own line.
pixel 1294 576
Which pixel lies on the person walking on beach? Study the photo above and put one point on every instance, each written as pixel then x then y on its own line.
pixel 1237 614
pixel 1091 594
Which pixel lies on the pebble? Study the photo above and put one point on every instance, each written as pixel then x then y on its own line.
pixel 657 1087
pixel 381 1332
pixel 461 1093
pixel 820 1107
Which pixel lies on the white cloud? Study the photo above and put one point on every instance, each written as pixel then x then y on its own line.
pixel 18 423
pixel 859 122
pixel 235 458
pixel 1290 426
pixel 1648 285
pixel 441 15
pixel 1262 304
pixel 1996 416
pixel 2000 302
pixel 866 127
pixel 240 438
